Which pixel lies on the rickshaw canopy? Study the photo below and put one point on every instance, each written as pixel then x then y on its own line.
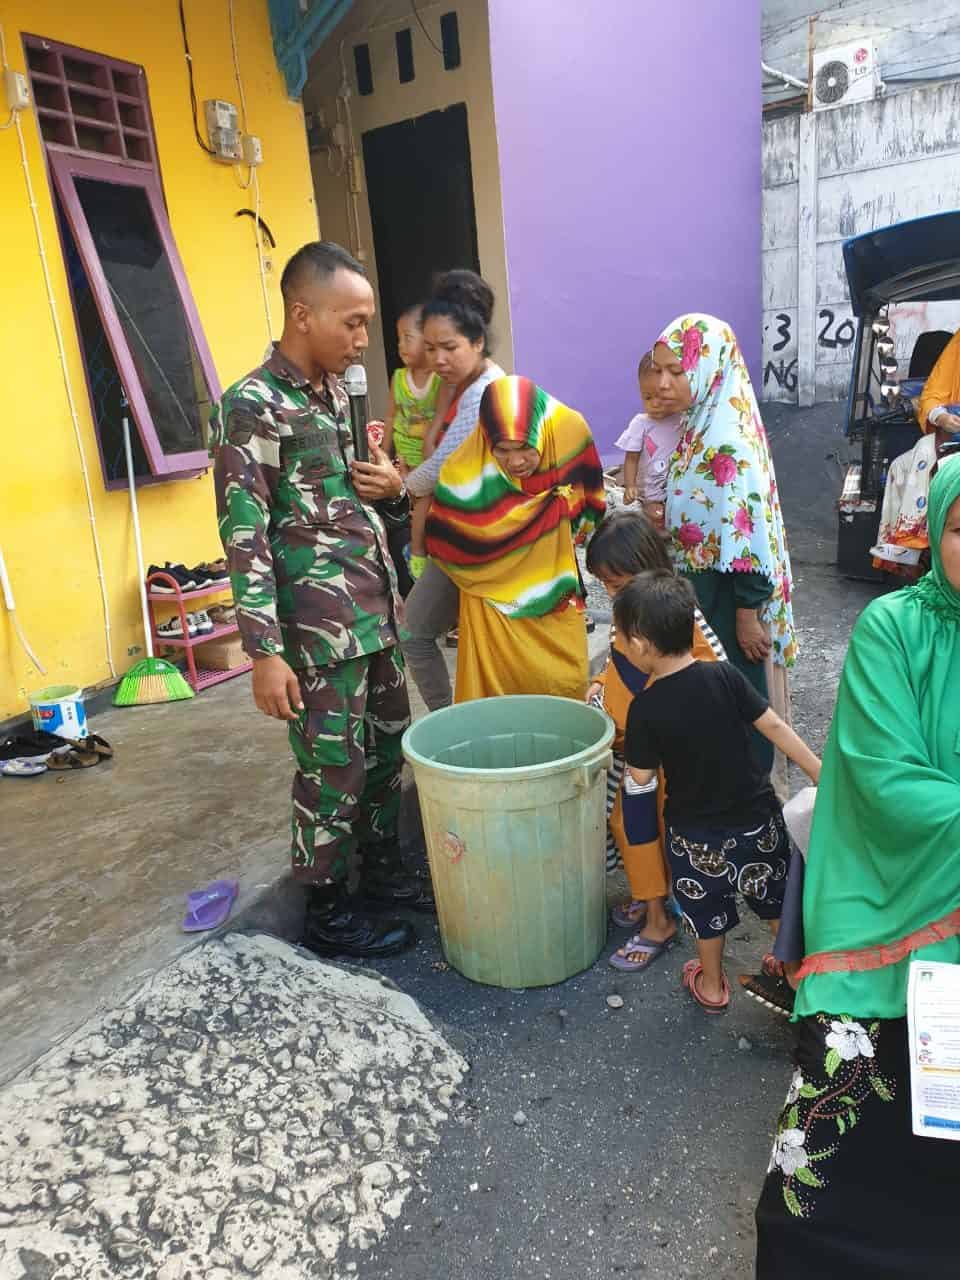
pixel 910 261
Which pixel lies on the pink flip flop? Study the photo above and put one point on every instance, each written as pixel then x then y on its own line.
pixel 691 972
pixel 207 908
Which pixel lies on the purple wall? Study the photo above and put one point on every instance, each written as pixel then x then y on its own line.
pixel 629 138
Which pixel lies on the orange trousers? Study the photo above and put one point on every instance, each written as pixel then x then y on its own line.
pixel 645 865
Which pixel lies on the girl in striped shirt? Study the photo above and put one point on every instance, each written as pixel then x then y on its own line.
pixel 625 544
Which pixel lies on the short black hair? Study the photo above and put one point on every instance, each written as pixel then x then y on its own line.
pixel 467 300
pixel 658 607
pixel 412 309
pixel 317 260
pixel 626 543
pixel 646 364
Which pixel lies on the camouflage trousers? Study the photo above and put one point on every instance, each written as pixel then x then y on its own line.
pixel 346 744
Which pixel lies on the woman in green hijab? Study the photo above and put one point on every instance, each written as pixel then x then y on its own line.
pixel 850 1191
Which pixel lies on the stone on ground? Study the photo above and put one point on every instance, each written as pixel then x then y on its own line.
pixel 251 1111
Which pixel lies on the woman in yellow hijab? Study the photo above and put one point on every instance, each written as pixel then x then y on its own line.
pixel 509 506
pixel 939 406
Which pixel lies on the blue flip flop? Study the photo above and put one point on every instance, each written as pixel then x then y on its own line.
pixel 207 908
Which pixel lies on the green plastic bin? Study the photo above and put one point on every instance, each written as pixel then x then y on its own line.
pixel 513 797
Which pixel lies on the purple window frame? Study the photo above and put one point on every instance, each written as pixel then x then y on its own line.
pixel 65 167
pixel 67 163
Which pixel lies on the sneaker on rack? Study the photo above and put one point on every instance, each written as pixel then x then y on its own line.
pixel 180 574
pixel 223 615
pixel 172 630
pixel 211 575
pixel 201 623
pixel 217 570
pixel 187 578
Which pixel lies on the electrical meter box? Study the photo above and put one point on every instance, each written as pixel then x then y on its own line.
pixel 222 129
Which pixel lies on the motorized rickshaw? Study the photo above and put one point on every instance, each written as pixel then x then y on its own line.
pixel 915 261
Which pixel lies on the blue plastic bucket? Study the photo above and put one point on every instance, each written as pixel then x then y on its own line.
pixel 59 709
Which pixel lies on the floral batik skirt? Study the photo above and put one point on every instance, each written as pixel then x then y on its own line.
pixel 850 1192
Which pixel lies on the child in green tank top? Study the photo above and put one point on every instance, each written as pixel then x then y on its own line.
pixel 417 400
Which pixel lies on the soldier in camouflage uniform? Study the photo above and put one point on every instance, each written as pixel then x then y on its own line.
pixel 316 599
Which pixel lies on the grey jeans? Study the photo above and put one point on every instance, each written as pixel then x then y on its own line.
pixel 432 609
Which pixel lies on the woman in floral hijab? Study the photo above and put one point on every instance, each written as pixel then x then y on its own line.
pixel 723 508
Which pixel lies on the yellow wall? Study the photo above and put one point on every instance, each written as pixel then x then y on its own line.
pixel 44 527
pixel 376 22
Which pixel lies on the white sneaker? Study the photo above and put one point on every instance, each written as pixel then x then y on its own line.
pixel 172 630
pixel 201 623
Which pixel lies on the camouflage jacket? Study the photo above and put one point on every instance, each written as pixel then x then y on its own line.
pixel 311 572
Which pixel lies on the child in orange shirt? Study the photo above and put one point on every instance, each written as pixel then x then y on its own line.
pixel 625 544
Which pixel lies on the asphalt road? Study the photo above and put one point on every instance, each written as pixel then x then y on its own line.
pixel 648 1127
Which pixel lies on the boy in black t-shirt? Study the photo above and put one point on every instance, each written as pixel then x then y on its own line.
pixel 724 825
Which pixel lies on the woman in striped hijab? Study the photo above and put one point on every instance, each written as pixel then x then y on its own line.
pixel 509 506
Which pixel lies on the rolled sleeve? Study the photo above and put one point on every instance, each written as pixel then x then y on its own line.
pixel 246 470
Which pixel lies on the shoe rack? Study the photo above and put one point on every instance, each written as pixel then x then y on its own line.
pixel 199 677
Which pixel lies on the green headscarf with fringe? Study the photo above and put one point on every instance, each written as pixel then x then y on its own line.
pixel 883 870
pixel 933 590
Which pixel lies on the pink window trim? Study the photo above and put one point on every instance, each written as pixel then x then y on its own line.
pixel 65 167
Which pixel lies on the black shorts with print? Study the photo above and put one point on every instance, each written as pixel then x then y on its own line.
pixel 711 867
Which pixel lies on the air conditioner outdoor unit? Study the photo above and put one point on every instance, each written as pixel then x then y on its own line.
pixel 845 73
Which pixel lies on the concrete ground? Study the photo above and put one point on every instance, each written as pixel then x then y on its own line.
pixel 97 862
pixel 645 1128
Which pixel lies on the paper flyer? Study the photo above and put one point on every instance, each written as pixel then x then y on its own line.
pixel 933 1021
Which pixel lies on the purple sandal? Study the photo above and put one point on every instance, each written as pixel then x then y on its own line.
pixel 627 915
pixel 207 908
pixel 650 950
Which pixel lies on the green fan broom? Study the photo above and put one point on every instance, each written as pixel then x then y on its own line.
pixel 154 679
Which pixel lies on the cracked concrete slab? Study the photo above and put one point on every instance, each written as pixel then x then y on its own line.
pixel 250 1111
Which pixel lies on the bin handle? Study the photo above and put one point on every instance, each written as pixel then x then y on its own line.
pixel 587 773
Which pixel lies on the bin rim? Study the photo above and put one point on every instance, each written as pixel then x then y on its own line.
pixel 598 748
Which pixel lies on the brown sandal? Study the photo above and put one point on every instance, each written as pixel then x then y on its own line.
pixel 92 743
pixel 72 759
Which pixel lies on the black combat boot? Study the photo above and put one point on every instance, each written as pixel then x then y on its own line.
pixel 385 881
pixel 333 927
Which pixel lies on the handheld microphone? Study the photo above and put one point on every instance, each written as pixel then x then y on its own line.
pixel 355 385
